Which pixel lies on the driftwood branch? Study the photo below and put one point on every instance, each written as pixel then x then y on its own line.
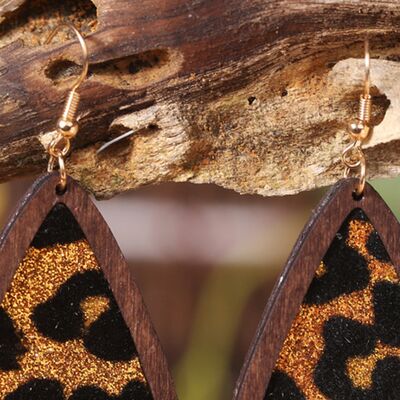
pixel 251 95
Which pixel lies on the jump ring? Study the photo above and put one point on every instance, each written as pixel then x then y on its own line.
pixel 63 174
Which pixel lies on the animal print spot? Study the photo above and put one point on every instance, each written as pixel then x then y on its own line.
pixel 38 389
pixel 386 379
pixel 345 269
pixel 59 227
pixel 109 338
pixel 11 347
pixel 387 312
pixel 134 390
pixel 61 318
pixel 281 386
pixel 376 248
pixel 344 338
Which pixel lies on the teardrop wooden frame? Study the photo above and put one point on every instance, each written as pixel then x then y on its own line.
pixel 290 290
pixel 19 232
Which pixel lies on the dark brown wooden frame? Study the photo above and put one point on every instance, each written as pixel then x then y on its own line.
pixel 298 273
pixel 19 232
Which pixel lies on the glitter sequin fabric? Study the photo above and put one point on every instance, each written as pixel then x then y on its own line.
pixel 62 335
pixel 345 341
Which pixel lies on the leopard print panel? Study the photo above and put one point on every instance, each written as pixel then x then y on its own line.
pixel 62 335
pixel 345 341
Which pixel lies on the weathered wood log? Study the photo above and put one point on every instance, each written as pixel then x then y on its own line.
pixel 252 95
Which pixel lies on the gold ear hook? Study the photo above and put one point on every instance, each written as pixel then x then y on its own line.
pixel 67 123
pixel 353 156
pixel 67 126
pixel 85 65
pixel 367 60
pixel 360 128
pixel 364 113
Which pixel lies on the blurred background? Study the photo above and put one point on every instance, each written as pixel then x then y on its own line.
pixel 206 260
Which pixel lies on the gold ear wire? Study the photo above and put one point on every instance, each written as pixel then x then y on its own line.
pixel 85 65
pixel 67 126
pixel 367 60
pixel 360 128
pixel 353 155
pixel 67 123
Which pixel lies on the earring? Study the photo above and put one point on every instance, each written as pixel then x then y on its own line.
pixel 73 324
pixel 331 328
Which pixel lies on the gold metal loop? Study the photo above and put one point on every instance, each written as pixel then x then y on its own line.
pixel 63 174
pixel 59 146
pixel 352 155
pixel 85 64
pixel 362 178
pixel 61 169
pixel 362 167
pixel 51 164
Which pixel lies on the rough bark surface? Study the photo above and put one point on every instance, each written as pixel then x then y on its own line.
pixel 252 95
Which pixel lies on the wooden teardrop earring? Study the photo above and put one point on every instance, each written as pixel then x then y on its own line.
pixel 331 328
pixel 73 324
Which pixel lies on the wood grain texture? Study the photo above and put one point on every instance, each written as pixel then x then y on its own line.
pixel 292 286
pixel 251 95
pixel 20 231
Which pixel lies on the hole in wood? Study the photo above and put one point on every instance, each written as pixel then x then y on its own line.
pixel 145 60
pixel 251 100
pixel 60 191
pixel 153 127
pixel 330 64
pixel 393 57
pixel 62 69
pixel 134 64
pixel 357 196
pixel 380 105
pixel 35 19
pixel 134 70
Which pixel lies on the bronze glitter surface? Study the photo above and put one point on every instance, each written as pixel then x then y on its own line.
pixel 360 369
pixel 321 270
pixel 304 344
pixel 358 235
pixel 37 279
pixel 93 307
